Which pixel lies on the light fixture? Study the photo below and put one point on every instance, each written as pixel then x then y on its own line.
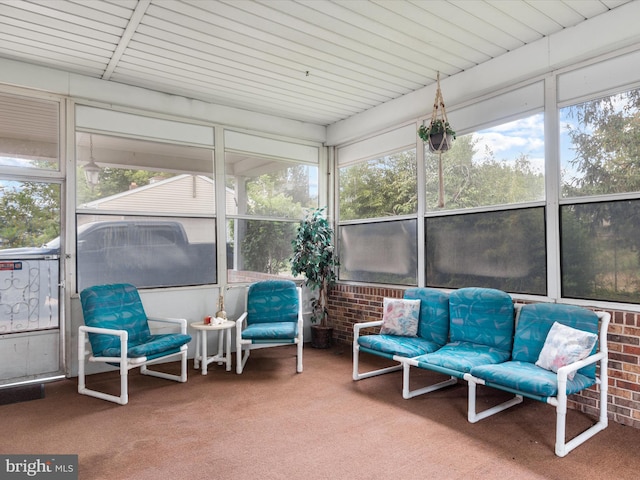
pixel 91 169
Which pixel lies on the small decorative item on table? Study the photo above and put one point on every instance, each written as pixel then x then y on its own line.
pixel 221 312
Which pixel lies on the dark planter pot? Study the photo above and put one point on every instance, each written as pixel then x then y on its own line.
pixel 438 142
pixel 321 337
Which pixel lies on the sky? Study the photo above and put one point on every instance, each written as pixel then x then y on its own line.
pixel 526 136
pixel 510 140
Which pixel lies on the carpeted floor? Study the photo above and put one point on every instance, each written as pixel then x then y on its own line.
pixel 271 423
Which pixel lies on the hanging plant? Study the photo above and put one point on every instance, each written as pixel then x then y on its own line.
pixel 439 135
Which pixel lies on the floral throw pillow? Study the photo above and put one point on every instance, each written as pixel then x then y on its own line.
pixel 400 317
pixel 565 345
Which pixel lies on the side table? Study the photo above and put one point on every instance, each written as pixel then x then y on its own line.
pixel 224 351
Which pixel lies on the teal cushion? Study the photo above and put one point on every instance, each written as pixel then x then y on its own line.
pixel 271 331
pixel 433 327
pixel 535 321
pixel 458 358
pixel 154 346
pixel 483 316
pixel 116 306
pixel 433 324
pixel 391 345
pixel 529 379
pixel 272 301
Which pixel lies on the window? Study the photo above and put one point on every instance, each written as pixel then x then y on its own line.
pixel 379 252
pixel 30 134
pixel 148 218
pixel 269 185
pixel 600 146
pixel 501 249
pixel 377 183
pixel 501 165
pixel 29 255
pixel 30 219
pixel 497 168
pixel 380 187
pixel 600 245
pixel 375 251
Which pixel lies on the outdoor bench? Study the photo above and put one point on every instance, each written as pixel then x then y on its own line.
pixel 481 324
pixel 548 363
pixel 540 351
pixel 432 332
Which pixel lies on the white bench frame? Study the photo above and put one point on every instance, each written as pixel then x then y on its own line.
pixel 562 447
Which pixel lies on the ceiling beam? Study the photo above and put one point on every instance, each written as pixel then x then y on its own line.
pixel 132 26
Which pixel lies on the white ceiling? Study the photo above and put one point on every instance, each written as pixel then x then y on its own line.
pixel 317 61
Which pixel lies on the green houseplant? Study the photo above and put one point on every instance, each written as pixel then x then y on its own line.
pixel 438 135
pixel 314 257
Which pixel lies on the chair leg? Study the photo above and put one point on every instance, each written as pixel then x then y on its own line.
pixel 299 357
pixel 407 394
pixel 472 415
pixel 242 354
pixel 183 365
pixel 144 370
pixel 563 447
pixel 356 366
pixel 121 399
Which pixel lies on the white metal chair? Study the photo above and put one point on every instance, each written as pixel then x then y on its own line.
pixel 272 318
pixel 117 329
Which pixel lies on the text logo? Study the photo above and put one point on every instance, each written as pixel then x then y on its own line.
pixel 50 467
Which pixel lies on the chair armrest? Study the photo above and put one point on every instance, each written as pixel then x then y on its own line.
pixel 359 326
pixel 600 356
pixel 176 321
pixel 103 331
pixel 123 334
pixel 563 372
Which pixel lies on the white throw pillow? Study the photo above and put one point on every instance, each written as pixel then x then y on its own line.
pixel 565 345
pixel 400 317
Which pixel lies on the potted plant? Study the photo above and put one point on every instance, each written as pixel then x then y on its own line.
pixel 438 135
pixel 314 257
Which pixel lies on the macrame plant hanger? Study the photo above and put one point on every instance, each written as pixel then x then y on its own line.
pixel 439 112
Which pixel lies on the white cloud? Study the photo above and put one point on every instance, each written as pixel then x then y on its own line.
pixel 513 139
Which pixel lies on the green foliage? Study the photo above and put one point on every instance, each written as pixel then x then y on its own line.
pixel 470 184
pixel 266 245
pixel 606 142
pixel 314 257
pixel 283 193
pixel 29 214
pixel 380 187
pixel 435 127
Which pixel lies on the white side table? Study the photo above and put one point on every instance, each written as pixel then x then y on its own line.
pixel 224 351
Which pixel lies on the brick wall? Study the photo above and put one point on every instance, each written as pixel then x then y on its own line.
pixel 349 304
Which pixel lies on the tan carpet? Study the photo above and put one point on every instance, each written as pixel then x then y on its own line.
pixel 271 423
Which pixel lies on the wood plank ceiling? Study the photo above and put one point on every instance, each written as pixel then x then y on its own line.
pixel 316 61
